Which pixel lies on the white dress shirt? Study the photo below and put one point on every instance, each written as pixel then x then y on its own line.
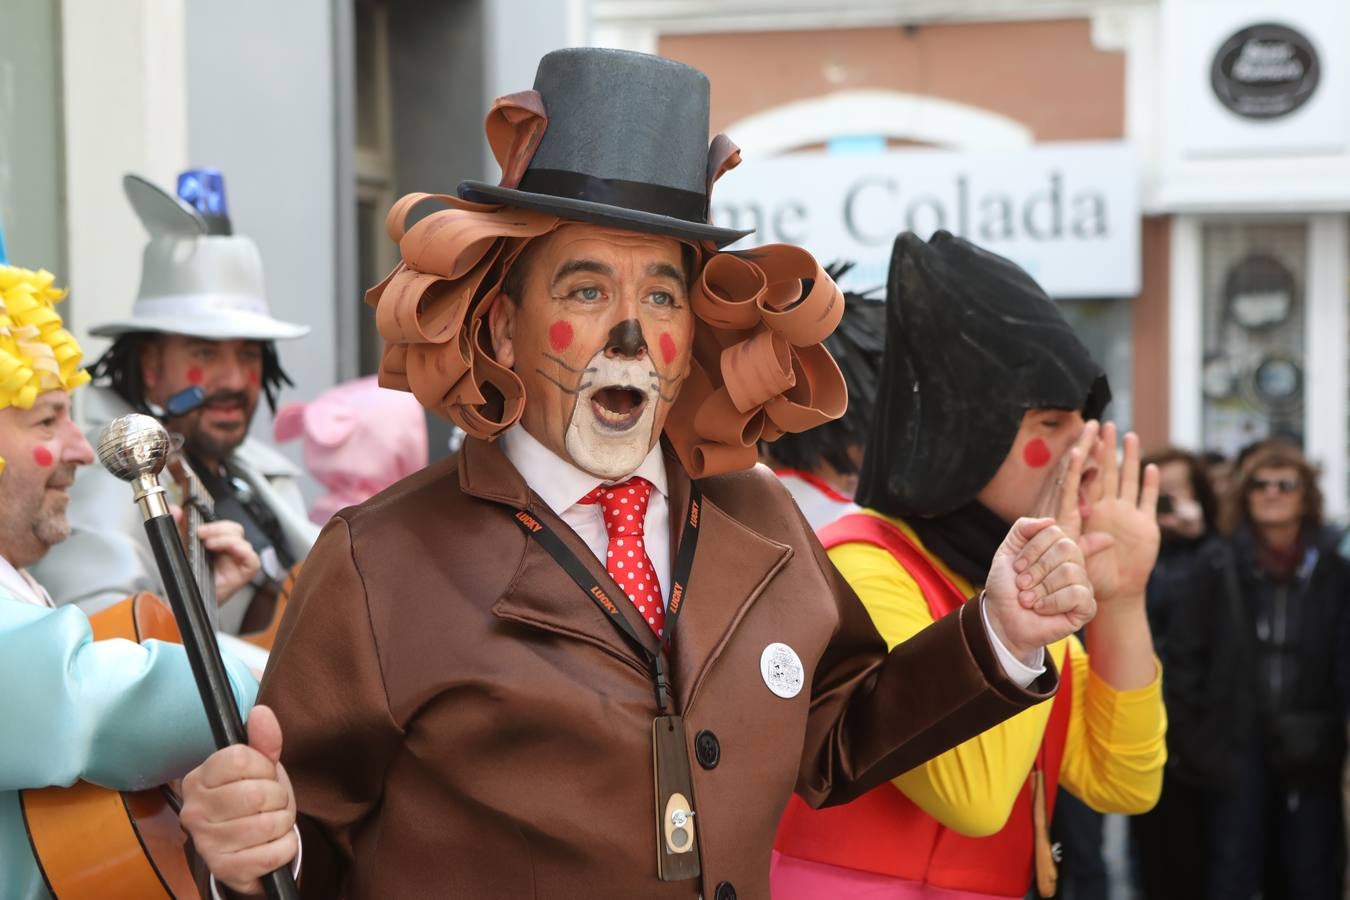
pixel 21 585
pixel 561 486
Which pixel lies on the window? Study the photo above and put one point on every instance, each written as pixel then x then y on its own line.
pixel 1105 326
pixel 376 254
pixel 1252 380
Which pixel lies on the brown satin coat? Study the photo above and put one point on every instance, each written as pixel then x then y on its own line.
pixel 460 721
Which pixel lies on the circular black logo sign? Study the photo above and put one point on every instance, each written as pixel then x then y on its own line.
pixel 1265 71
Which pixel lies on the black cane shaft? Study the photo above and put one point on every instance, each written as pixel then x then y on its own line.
pixel 208 669
pixel 198 638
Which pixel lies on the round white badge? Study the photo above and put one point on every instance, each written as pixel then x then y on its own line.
pixel 782 670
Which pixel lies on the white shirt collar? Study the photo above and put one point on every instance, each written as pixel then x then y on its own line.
pixel 13 582
pixel 561 484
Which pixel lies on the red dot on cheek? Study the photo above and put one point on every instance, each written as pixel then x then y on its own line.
pixel 255 378
pixel 668 350
pixel 42 456
pixel 560 336
pixel 195 375
pixel 1036 453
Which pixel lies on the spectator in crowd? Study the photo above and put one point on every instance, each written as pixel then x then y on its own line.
pixel 1256 717
pixel 1165 837
pixel 1219 470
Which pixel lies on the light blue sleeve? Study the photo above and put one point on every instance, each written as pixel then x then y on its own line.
pixel 114 712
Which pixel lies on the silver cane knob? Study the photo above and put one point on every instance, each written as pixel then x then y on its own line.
pixel 135 448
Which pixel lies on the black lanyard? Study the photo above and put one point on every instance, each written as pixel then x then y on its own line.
pixel 601 597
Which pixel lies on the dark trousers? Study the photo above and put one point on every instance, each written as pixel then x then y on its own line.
pixel 1171 843
pixel 1077 828
pixel 1276 838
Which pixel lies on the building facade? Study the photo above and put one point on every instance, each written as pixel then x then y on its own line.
pixel 1175 172
pixel 319 113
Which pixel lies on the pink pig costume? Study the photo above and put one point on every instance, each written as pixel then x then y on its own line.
pixel 359 439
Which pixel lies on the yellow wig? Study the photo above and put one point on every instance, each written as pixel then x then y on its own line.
pixel 37 354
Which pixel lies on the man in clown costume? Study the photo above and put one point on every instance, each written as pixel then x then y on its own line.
pixel 198 351
pixel 986 412
pixel 120 714
pixel 594 653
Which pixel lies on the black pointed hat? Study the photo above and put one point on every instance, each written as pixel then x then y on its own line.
pixel 972 343
pixel 621 139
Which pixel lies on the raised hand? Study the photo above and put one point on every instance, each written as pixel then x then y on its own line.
pixel 1038 590
pixel 1120 533
pixel 240 809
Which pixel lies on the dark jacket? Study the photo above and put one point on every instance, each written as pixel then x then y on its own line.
pixel 461 722
pixel 1250 659
pixel 1169 583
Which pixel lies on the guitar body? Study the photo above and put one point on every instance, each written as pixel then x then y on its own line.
pixel 264 634
pixel 93 842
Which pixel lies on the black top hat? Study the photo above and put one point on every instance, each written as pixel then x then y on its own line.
pixel 972 343
pixel 626 145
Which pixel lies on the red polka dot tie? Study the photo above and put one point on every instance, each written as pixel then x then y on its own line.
pixel 625 509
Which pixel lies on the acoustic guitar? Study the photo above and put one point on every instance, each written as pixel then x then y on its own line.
pixel 263 617
pixel 95 843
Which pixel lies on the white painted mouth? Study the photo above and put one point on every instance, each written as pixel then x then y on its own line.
pixel 618 407
pixel 611 430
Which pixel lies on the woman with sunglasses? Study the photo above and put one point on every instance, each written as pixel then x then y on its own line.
pixel 1251 696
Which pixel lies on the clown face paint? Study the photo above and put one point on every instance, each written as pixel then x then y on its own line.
pixel 600 398
pixel 560 336
pixel 230 372
pixel 1028 472
pixel 1037 453
pixel 42 447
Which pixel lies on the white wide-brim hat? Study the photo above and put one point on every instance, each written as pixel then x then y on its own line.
pixel 193 282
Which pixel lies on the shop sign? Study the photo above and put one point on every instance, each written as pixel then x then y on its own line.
pixel 1067 213
pixel 1253 80
pixel 1265 71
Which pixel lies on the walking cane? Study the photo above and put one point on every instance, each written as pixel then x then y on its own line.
pixel 134 448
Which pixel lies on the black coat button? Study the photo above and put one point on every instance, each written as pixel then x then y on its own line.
pixel 725 891
pixel 707 749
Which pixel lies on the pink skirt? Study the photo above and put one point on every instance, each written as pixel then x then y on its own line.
pixel 799 879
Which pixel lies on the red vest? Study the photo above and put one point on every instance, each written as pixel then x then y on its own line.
pixel 883 831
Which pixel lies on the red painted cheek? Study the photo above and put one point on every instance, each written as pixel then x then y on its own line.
pixel 195 375
pixel 43 457
pixel 1036 454
pixel 255 378
pixel 560 336
pixel 668 349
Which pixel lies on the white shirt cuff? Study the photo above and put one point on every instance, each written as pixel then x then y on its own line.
pixel 1020 674
pixel 295 863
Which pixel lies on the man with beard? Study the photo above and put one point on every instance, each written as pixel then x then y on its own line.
pixel 986 412
pixel 198 351
pixel 123 715
pixel 578 659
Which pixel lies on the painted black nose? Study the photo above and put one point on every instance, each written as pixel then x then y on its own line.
pixel 625 339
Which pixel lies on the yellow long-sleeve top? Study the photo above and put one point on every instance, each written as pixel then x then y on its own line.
pixel 1115 750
